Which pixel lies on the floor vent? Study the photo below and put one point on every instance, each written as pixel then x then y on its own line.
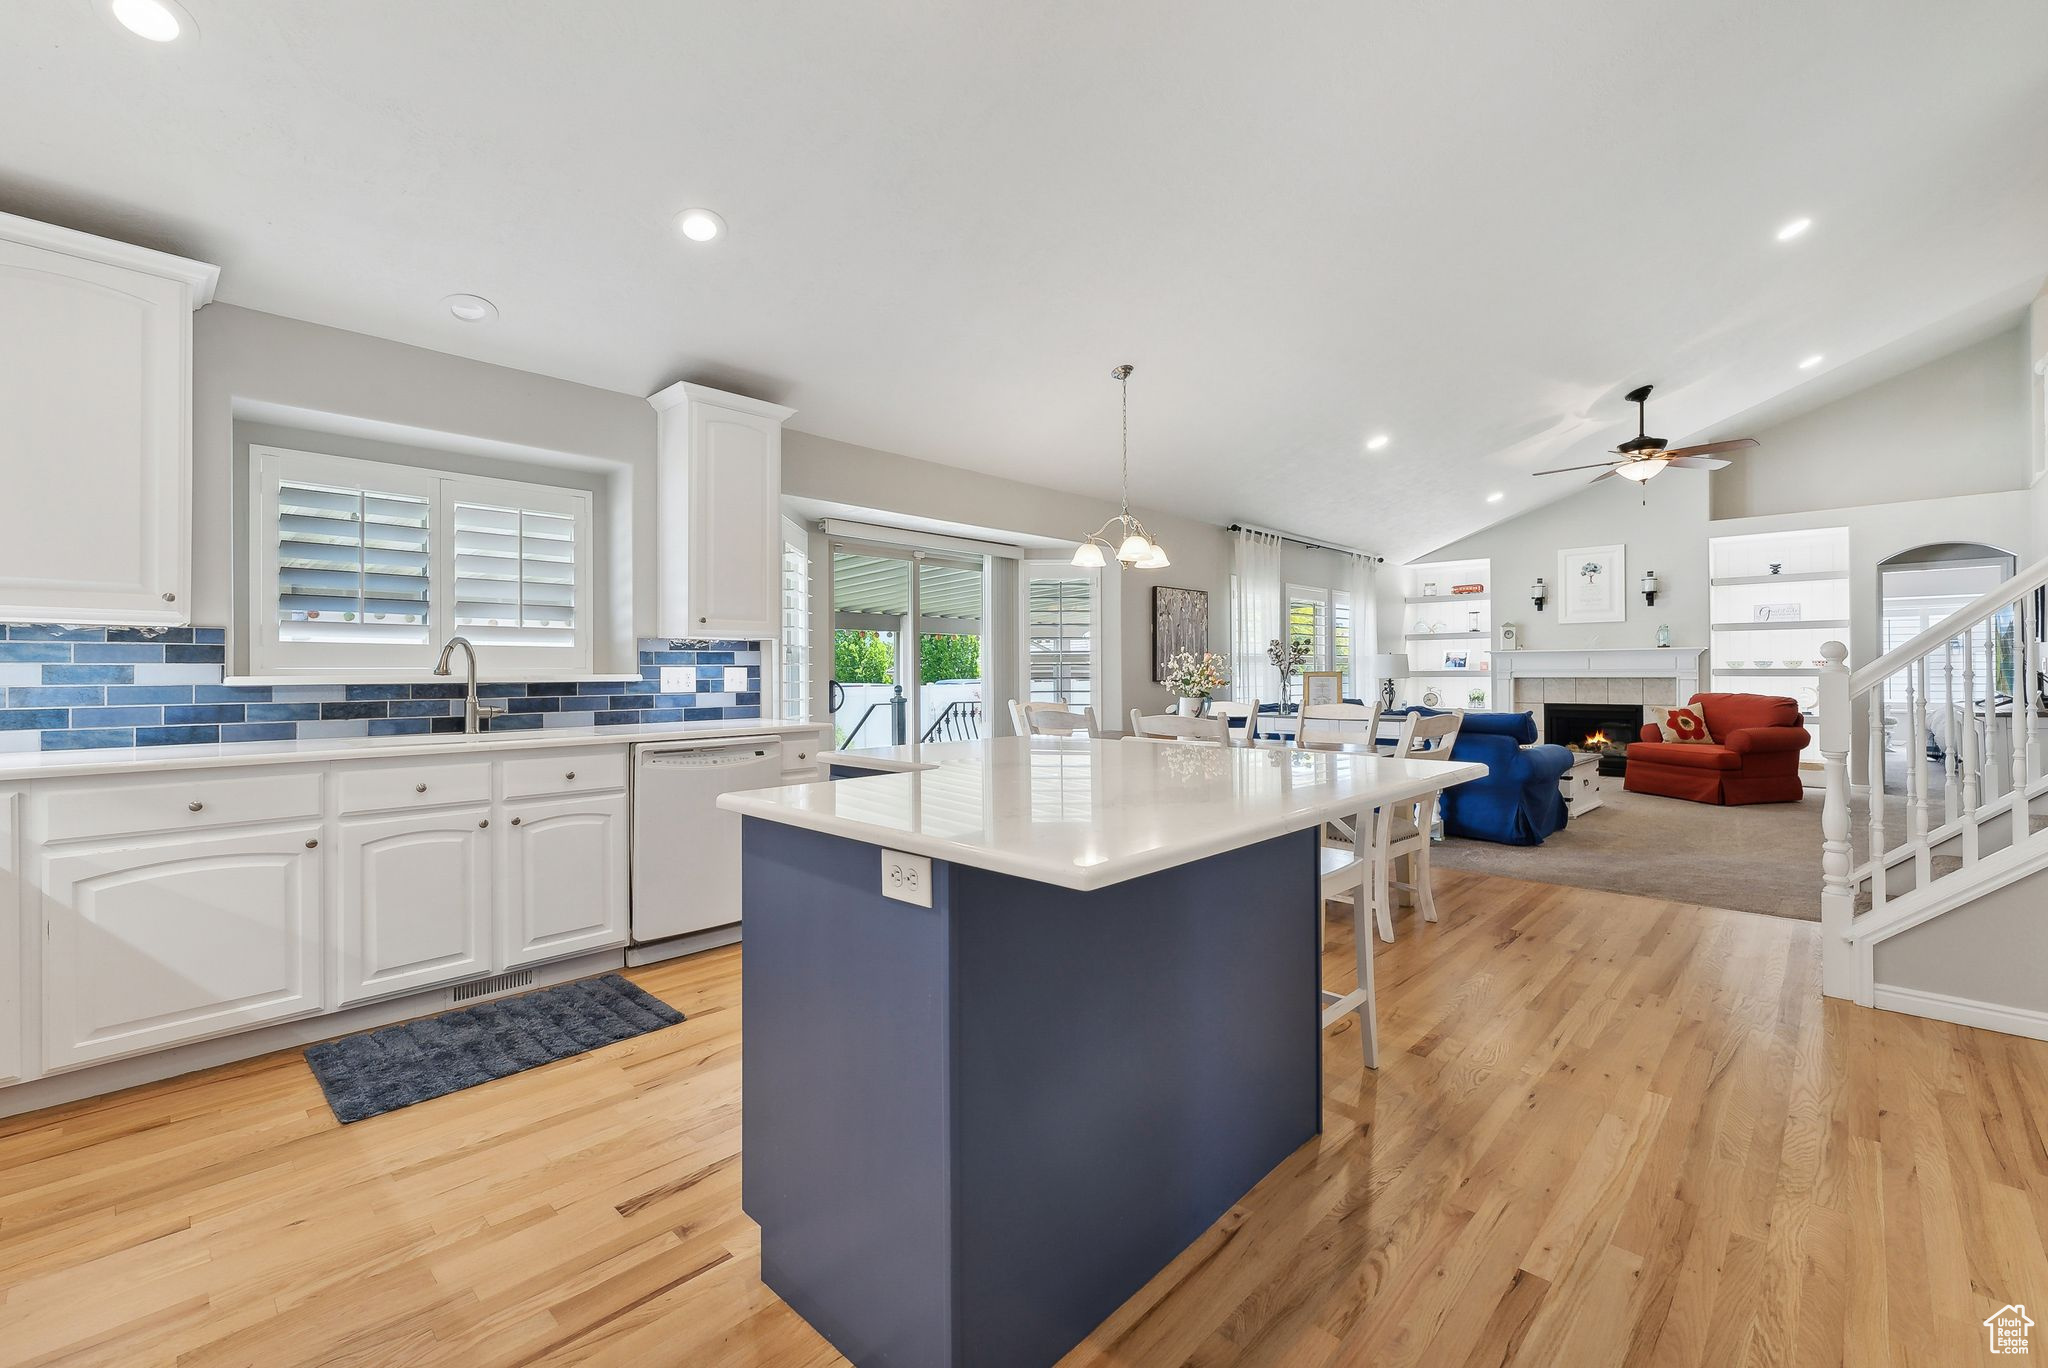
pixel 502 983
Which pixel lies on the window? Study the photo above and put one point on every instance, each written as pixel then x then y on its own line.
pixel 1341 657
pixel 796 625
pixel 364 566
pixel 1059 633
pixel 1308 617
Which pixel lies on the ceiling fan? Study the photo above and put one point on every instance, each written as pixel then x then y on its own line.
pixel 1643 457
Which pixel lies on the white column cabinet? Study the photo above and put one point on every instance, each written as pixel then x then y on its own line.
pixel 96 386
pixel 561 876
pixel 413 900
pixel 719 493
pixel 149 944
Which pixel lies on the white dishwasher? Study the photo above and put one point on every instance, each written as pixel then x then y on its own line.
pixel 686 849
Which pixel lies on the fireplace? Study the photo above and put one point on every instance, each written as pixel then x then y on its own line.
pixel 1604 727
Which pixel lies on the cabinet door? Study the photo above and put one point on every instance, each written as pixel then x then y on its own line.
pixel 12 965
pixel 414 894
pixel 562 877
pixel 96 385
pixel 152 945
pixel 735 522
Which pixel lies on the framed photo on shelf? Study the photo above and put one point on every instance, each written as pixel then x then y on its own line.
pixel 1455 660
pixel 1322 686
pixel 1592 582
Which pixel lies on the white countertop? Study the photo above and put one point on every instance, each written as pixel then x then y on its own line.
pixel 144 759
pixel 1083 814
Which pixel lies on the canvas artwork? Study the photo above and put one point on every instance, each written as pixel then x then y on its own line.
pixel 1180 622
pixel 1592 581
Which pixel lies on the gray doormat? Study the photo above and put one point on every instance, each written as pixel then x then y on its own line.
pixel 378 1071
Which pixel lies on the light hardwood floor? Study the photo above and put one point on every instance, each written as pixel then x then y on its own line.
pixel 1608 1130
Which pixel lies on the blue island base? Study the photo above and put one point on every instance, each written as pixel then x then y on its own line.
pixel 972 1131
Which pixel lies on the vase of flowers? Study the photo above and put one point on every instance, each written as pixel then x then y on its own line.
pixel 1195 678
pixel 1288 656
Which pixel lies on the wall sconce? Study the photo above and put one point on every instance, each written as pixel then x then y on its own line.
pixel 1649 587
pixel 1537 593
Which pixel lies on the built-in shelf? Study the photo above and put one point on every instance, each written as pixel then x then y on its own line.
pixel 1777 579
pixel 1448 598
pixel 1438 674
pixel 1447 636
pixel 1815 624
pixel 1808 670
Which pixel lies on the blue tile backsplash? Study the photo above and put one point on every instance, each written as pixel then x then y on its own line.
pixel 85 688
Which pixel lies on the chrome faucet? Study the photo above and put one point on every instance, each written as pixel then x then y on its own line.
pixel 473 713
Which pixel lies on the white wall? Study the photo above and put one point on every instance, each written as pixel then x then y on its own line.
pixel 2037 420
pixel 1956 425
pixel 303 377
pixel 1989 951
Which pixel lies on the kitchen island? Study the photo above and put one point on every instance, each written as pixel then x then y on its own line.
pixel 987 1100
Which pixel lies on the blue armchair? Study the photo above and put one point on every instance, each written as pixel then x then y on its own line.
pixel 1518 802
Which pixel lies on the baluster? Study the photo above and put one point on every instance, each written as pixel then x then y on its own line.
pixel 1837 895
pixel 1875 713
pixel 1916 771
pixel 1951 736
pixel 2018 771
pixel 1967 799
pixel 1990 755
pixel 2031 653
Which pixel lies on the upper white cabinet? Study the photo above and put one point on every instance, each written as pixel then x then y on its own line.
pixel 96 386
pixel 720 491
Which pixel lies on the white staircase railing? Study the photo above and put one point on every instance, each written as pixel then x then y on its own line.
pixel 1956 709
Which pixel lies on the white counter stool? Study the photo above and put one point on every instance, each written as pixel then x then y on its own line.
pixel 1053 719
pixel 1402 831
pixel 1207 731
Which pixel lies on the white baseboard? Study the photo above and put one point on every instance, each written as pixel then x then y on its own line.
pixel 116 1074
pixel 675 947
pixel 1989 1016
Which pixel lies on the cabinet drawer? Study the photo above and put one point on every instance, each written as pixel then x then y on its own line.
pixel 800 763
pixel 202 798
pixel 395 785
pixel 565 771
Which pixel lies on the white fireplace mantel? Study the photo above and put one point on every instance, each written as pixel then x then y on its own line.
pixel 1679 663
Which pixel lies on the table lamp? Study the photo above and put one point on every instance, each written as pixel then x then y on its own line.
pixel 1387 669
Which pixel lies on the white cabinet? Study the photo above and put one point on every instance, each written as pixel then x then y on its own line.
pixel 96 386
pixel 413 892
pixel 719 492
pixel 562 876
pixel 153 943
pixel 12 978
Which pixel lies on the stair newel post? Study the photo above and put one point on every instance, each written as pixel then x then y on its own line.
pixel 1916 771
pixel 1876 717
pixel 1837 896
pixel 1971 757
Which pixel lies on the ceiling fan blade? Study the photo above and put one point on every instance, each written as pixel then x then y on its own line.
pixel 1698 463
pixel 1603 475
pixel 1566 470
pixel 1709 448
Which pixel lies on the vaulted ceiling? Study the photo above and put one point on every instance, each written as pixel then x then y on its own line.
pixel 1470 226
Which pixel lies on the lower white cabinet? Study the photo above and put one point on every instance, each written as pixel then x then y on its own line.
pixel 153 944
pixel 562 876
pixel 413 893
pixel 12 980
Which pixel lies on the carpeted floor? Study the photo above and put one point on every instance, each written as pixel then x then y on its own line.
pixel 1761 858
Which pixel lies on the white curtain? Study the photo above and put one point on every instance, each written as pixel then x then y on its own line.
pixel 1256 616
pixel 1360 582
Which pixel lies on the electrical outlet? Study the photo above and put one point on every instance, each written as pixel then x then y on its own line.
pixel 907 878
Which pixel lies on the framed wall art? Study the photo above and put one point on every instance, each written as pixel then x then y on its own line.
pixel 1592 584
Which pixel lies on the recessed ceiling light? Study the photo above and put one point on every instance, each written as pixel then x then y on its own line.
pixel 1496 496
pixel 470 308
pixel 1794 229
pixel 699 225
pixel 1377 441
pixel 160 21
pixel 1810 362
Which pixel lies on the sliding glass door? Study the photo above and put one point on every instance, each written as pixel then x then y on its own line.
pixel 906 645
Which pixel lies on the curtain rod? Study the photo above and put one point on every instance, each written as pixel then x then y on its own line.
pixel 1305 542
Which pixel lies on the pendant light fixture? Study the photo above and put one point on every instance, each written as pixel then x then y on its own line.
pixel 1133 545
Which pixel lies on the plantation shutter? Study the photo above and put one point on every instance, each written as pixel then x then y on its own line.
pixel 1060 638
pixel 515 575
pixel 353 564
pixel 796 630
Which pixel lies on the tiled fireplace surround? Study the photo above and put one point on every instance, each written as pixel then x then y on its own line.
pixel 1534 693
pixel 91 688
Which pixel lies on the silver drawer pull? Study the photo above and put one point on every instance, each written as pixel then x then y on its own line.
pixel 170 598
pixel 570 775
pixel 194 806
pixel 419 788
pixel 312 845
pixel 485 822
pixel 517 820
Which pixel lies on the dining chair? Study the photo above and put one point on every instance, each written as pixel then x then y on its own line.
pixel 1229 709
pixel 1205 731
pixel 1328 724
pixel 1053 719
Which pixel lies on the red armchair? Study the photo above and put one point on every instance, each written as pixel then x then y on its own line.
pixel 1754 758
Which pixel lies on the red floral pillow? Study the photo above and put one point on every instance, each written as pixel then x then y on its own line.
pixel 1684 726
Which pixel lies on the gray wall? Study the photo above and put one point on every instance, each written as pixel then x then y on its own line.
pixel 313 379
pixel 1992 950
pixel 1957 425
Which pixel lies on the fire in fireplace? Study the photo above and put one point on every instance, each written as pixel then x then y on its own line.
pixel 1606 728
